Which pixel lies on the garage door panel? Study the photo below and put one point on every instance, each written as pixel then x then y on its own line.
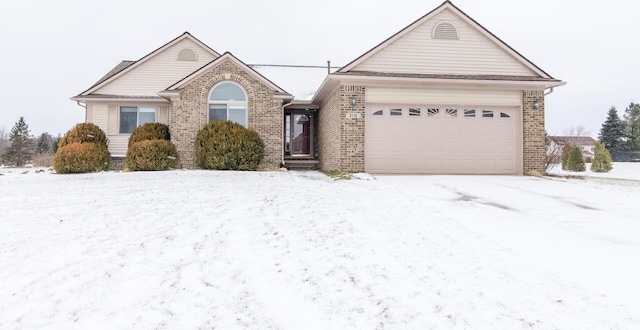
pixel 442 143
pixel 469 164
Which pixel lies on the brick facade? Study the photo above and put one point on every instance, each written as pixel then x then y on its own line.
pixel 189 113
pixel 533 148
pixel 341 130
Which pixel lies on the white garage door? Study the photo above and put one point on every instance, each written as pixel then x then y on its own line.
pixel 443 140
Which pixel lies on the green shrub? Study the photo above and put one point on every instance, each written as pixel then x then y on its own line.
pixel 79 157
pixel 339 175
pixel 601 159
pixel 152 155
pixel 149 131
pixel 565 155
pixel 224 145
pixel 575 160
pixel 84 133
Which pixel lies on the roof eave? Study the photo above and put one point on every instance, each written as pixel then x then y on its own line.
pixel 119 98
pixel 333 80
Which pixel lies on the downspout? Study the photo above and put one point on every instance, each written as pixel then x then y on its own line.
pixel 85 110
pixel 282 162
pixel 549 92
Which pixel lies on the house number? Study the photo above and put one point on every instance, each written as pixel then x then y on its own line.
pixel 353 115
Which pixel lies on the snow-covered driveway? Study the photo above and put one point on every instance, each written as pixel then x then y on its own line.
pixel 297 250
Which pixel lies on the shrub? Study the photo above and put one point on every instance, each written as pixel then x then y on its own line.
pixel 565 155
pixel 224 145
pixel 84 133
pixel 149 131
pixel 79 157
pixel 575 160
pixel 601 159
pixel 152 155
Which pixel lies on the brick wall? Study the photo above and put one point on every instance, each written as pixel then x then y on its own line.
pixel 341 131
pixel 533 132
pixel 189 113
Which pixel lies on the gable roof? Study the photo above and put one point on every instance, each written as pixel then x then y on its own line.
pixel 121 66
pixel 349 75
pixel 126 66
pixel 235 60
pixel 446 5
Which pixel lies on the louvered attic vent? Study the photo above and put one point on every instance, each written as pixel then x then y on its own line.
pixel 445 30
pixel 187 55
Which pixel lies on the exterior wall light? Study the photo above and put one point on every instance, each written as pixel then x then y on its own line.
pixel 535 105
pixel 353 101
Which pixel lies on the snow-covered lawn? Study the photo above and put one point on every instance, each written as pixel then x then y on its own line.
pixel 622 171
pixel 297 250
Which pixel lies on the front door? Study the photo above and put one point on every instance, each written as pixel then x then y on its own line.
pixel 298 134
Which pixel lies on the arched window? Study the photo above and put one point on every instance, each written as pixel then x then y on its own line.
pixel 228 101
pixel 445 30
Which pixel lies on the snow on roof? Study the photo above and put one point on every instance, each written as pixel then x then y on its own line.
pixel 300 81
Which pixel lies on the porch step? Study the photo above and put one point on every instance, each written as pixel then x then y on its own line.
pixel 310 164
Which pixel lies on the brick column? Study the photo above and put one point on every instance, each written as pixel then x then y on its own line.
pixel 533 132
pixel 352 127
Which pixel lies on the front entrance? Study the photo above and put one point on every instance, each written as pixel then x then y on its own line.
pixel 298 134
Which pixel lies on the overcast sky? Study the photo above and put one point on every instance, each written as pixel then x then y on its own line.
pixel 53 50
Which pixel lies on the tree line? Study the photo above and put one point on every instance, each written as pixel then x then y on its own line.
pixel 621 136
pixel 19 147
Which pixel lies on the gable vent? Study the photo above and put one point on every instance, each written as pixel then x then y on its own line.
pixel 187 55
pixel 445 30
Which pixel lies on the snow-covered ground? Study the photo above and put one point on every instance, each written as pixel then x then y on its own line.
pixel 622 171
pixel 297 250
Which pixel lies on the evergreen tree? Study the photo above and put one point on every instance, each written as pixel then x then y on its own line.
pixel 54 144
pixel 612 131
pixel 632 126
pixel 22 147
pixel 601 159
pixel 43 146
pixel 575 160
pixel 565 155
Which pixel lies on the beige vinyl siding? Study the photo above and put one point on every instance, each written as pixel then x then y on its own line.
pixel 418 52
pixel 159 72
pixel 447 97
pixel 163 115
pixel 98 114
pixel 109 117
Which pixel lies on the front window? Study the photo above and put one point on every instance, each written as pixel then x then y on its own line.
pixel 228 101
pixel 132 117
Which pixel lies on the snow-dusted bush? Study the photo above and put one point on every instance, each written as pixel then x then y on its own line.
pixel 84 133
pixel 224 145
pixel 574 161
pixel 79 157
pixel 152 155
pixel 149 131
pixel 601 159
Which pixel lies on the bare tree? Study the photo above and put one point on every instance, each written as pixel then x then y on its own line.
pixel 576 131
pixel 4 140
pixel 554 152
